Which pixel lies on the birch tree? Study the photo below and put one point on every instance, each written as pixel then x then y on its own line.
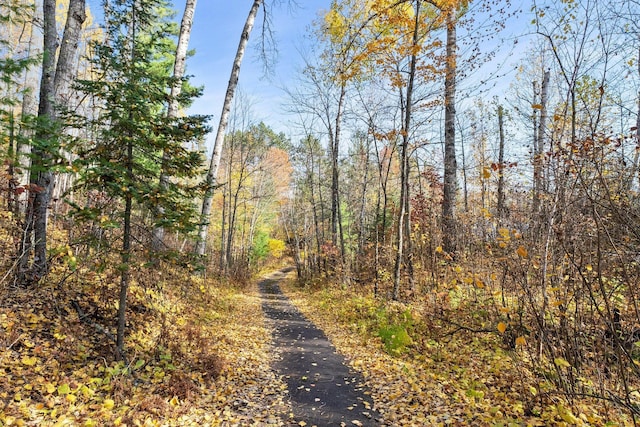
pixel 179 67
pixel 212 174
pixel 56 75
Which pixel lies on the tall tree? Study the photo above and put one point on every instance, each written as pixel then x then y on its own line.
pixel 131 136
pixel 501 167
pixel 450 163
pixel 54 79
pixel 14 64
pixel 539 143
pixel 212 174
pixel 403 235
pixel 179 68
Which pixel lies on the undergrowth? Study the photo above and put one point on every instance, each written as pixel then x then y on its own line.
pixel 453 368
pixel 197 352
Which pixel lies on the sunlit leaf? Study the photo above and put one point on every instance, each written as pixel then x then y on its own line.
pixel 64 389
pixel 567 415
pixel 502 327
pixel 29 361
pixel 108 404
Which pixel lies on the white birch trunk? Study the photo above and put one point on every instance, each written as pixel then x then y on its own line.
pixel 212 175
pixel 179 68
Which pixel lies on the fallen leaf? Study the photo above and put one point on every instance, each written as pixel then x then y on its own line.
pixel 502 327
pixel 522 252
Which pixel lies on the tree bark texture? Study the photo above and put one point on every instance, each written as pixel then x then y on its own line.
pixel 450 164
pixel 337 235
pixel 538 149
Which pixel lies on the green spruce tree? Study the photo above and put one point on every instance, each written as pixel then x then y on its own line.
pixel 131 87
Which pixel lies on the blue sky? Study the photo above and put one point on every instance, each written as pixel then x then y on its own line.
pixel 215 36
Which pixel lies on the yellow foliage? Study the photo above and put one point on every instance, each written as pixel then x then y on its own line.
pixel 276 247
pixel 335 25
pixel 486 172
pixel 560 362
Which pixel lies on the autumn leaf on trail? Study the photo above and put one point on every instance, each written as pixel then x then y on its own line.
pixel 559 361
pixel 522 252
pixel 64 389
pixel 521 341
pixel 29 361
pixel 502 327
pixel 567 415
pixel 108 404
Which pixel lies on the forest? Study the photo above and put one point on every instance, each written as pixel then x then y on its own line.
pixel 456 205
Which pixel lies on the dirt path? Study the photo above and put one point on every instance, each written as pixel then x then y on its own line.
pixel 322 389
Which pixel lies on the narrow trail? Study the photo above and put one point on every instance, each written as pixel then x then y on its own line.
pixel 323 390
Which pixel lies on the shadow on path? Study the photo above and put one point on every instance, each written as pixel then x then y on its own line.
pixel 322 389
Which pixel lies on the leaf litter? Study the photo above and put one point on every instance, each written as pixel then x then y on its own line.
pixel 198 355
pixel 460 379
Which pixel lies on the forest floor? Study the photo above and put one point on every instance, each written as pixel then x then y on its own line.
pixel 202 353
pixel 444 376
pixel 199 354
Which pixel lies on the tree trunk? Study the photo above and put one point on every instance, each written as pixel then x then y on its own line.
pixel 403 215
pixel 212 175
pixel 32 270
pixel 65 68
pixel 450 165
pixel 54 79
pixel 337 235
pixel 362 238
pixel 314 205
pixel 538 152
pixel 465 186
pixel 29 108
pixel 636 156
pixel 179 67
pixel 501 167
pixel 125 258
